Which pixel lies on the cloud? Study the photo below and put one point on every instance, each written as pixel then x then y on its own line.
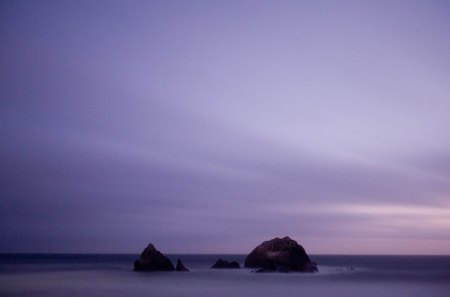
pixel 221 127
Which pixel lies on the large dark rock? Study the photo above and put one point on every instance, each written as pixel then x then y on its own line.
pixel 280 255
pixel 225 264
pixel 152 260
pixel 180 266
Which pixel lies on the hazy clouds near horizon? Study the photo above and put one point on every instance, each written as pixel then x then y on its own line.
pixel 211 126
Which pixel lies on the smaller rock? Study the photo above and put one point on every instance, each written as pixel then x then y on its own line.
pixel 180 266
pixel 225 264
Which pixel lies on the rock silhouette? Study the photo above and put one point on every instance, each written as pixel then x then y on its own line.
pixel 152 260
pixel 180 266
pixel 225 264
pixel 280 255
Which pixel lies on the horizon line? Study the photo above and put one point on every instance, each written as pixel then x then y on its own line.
pixel 212 254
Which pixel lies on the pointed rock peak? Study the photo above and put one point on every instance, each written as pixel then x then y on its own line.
pixel 151 247
pixel 153 260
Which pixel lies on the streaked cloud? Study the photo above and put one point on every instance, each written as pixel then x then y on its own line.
pixel 218 125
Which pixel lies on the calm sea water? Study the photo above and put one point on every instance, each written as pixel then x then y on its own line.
pixel 112 275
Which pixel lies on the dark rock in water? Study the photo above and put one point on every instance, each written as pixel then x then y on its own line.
pixel 282 269
pixel 152 260
pixel 225 264
pixel 180 266
pixel 280 255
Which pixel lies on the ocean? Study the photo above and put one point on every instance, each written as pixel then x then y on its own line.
pixel 112 275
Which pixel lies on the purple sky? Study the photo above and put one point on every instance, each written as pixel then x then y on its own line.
pixel 209 126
